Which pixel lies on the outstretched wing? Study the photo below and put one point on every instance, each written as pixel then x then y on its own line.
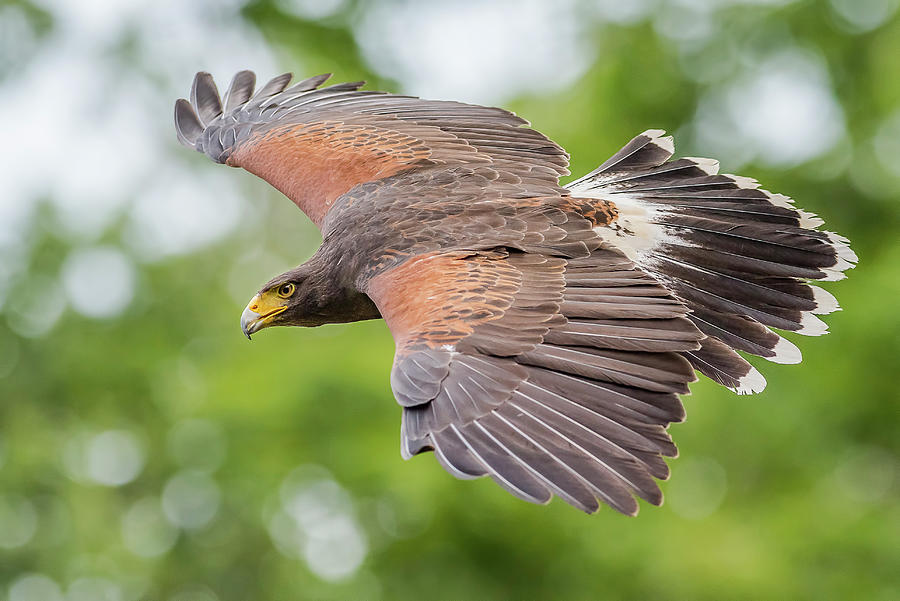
pixel 314 144
pixel 550 375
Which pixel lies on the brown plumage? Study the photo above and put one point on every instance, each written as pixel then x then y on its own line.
pixel 543 333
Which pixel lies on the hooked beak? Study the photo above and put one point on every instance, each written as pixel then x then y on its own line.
pixel 256 316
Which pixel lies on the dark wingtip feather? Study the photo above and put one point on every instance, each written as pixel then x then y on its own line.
pixel 348 86
pixel 648 149
pixel 205 97
pixel 240 90
pixel 187 125
pixel 308 84
pixel 273 86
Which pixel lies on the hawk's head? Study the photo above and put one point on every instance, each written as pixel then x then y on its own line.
pixel 294 298
pixel 306 296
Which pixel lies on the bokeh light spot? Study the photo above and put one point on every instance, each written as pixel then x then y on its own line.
pixel 18 521
pixel 99 282
pixel 859 16
pixel 286 534
pixel 34 587
pixel 780 113
pixel 318 523
pixel 191 499
pixel 336 549
pixel 145 530
pixel 113 458
pixel 94 589
pixel 35 306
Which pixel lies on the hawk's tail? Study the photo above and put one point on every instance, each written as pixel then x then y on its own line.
pixel 739 257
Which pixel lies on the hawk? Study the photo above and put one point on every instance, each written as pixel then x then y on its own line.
pixel 543 332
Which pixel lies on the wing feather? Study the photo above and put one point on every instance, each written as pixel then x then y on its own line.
pixel 294 136
pixel 519 392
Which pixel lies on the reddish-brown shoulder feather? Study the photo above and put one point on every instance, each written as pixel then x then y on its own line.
pixel 436 300
pixel 315 163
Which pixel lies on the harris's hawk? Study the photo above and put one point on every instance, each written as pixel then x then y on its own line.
pixel 543 332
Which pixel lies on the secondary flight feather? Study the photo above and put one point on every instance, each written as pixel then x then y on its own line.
pixel 543 332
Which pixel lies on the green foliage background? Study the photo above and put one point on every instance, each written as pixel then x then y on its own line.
pixel 806 473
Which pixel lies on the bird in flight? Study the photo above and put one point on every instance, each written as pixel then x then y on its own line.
pixel 543 332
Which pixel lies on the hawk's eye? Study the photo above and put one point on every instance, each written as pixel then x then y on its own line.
pixel 285 290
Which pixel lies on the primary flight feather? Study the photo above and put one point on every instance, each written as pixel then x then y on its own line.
pixel 543 332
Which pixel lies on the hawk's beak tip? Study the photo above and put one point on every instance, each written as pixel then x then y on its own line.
pixel 250 321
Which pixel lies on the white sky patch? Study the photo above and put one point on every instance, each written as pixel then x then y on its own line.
pixel 622 13
pixel 100 19
pixel 484 52
pixel 99 282
pixel 15 211
pixel 859 16
pixel 780 113
pixel 181 38
pixel 17 37
pixel 184 211
pixel 91 134
pixel 89 156
pixel 311 9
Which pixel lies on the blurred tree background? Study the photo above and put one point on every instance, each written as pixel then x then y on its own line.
pixel 149 452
